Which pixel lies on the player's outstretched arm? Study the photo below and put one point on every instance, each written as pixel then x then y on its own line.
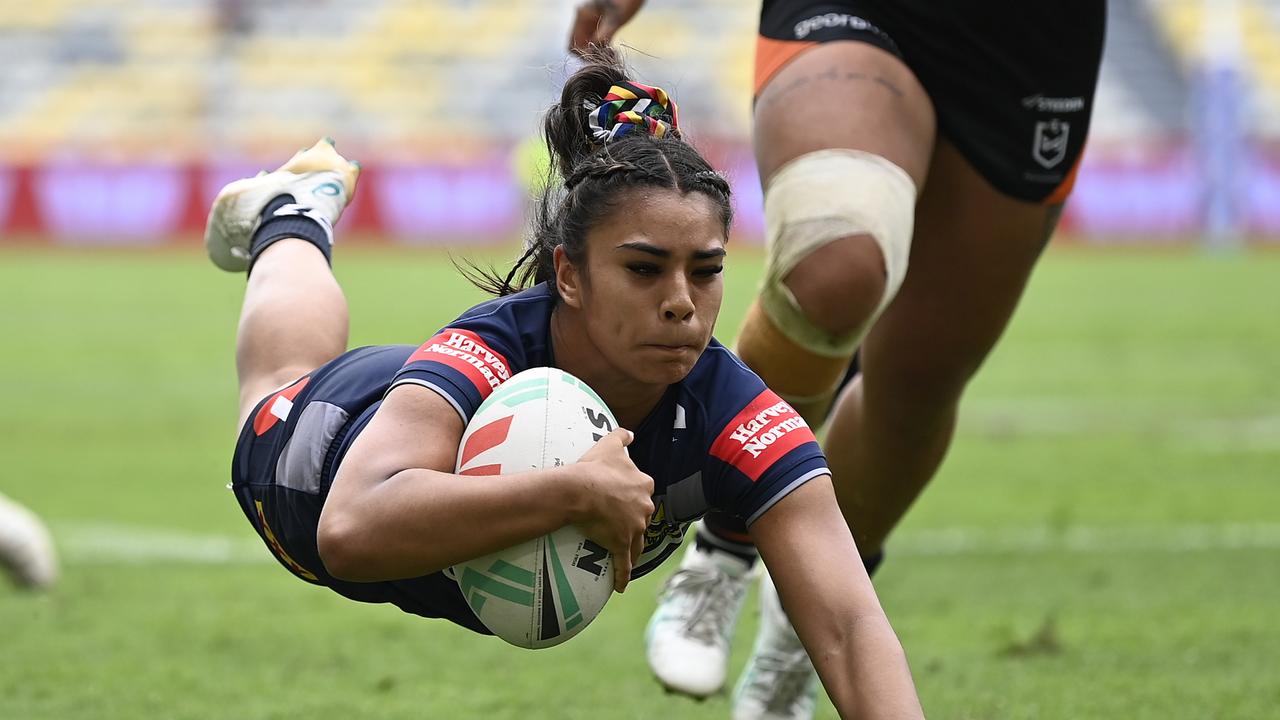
pixel 397 510
pixel 828 597
pixel 596 21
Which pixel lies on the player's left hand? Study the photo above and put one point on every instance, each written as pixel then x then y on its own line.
pixel 596 22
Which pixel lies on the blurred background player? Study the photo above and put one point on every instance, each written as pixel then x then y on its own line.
pixel 26 549
pixel 889 134
pixel 345 460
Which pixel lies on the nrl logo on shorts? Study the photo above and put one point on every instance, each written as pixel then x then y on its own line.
pixel 1050 144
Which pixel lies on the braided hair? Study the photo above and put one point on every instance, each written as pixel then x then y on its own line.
pixel 606 135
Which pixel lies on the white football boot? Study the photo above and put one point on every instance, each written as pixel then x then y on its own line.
pixel 26 550
pixel 687 641
pixel 779 682
pixel 320 180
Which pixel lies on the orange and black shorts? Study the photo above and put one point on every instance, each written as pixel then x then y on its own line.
pixel 1012 81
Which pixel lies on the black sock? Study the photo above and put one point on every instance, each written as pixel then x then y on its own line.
pixel 284 218
pixel 873 562
pixel 726 533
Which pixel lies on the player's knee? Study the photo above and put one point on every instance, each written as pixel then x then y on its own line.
pixel 800 376
pixel 838 288
pixel 918 388
pixel 839 226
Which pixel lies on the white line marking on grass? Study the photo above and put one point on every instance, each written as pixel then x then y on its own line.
pixel 106 544
pixel 1036 540
pixel 101 544
pixel 1244 430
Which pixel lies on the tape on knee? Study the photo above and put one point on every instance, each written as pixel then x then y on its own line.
pixel 801 377
pixel 821 197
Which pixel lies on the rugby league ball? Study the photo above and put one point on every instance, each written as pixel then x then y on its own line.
pixel 545 591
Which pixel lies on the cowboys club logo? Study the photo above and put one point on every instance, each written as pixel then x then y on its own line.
pixel 1050 144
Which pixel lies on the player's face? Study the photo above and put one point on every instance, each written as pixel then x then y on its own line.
pixel 652 287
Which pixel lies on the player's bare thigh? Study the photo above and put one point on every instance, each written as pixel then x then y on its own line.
pixel 253 393
pixel 844 94
pixel 972 253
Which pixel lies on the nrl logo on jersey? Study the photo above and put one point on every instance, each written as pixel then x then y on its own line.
pixel 1049 146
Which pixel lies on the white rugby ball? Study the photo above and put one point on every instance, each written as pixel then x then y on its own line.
pixel 545 591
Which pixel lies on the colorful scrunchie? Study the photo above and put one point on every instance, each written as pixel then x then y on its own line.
pixel 630 107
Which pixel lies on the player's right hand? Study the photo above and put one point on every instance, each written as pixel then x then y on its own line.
pixel 596 22
pixel 619 502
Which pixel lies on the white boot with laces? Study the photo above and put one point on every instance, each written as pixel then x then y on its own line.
pixel 779 682
pixel 687 641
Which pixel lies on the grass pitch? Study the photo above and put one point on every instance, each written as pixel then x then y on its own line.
pixel 1103 542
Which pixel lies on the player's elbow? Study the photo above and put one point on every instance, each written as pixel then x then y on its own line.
pixel 341 546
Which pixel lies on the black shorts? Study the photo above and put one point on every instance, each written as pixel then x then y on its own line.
pixel 1012 81
pixel 284 462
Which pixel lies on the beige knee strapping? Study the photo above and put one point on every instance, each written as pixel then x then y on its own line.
pixel 818 198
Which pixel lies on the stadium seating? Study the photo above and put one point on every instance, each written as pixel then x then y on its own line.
pixel 1253 37
pixel 165 78
pixel 403 78
pixel 204 89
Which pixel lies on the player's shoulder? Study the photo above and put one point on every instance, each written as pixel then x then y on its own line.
pixel 736 404
pixel 757 446
pixel 482 348
pixel 530 307
pixel 517 323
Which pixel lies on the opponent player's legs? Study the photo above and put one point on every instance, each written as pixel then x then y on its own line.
pixel 833 269
pixel 973 251
pixel 843 138
pixel 294 319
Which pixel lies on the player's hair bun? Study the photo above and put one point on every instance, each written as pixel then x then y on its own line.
pixel 630 107
pixel 567 125
pixel 606 136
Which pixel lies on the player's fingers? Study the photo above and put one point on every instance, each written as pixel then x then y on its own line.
pixel 621 438
pixel 621 571
pixel 637 548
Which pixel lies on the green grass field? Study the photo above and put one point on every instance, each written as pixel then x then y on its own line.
pixel 1103 542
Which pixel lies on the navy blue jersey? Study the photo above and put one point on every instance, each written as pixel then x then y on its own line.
pixel 718 439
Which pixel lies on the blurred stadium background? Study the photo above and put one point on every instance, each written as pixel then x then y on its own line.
pixel 1102 542
pixel 119 119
